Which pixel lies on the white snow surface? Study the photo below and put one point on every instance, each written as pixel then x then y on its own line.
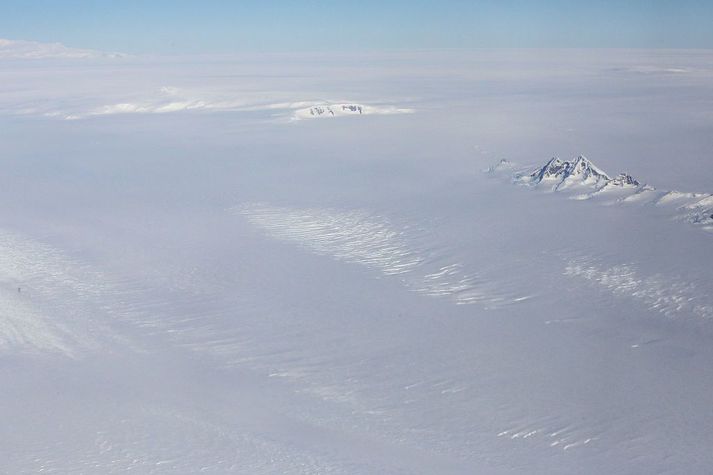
pixel 191 281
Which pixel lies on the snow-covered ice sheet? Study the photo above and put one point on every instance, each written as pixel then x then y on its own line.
pixel 193 282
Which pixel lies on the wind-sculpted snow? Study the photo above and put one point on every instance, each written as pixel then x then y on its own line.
pixel 51 302
pixel 557 437
pixel 33 280
pixel 672 297
pixel 156 440
pixel 580 179
pixel 359 237
pixel 22 327
pixel 351 236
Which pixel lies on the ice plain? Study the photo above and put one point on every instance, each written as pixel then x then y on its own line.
pixel 193 281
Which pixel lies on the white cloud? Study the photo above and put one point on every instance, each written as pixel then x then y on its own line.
pixel 19 49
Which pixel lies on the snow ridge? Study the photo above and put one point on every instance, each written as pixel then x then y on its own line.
pixel 561 174
pixel 584 181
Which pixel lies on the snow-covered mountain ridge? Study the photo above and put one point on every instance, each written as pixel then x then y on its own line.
pixel 564 173
pixel 580 172
pixel 582 180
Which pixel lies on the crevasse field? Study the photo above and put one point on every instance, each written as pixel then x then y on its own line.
pixel 319 264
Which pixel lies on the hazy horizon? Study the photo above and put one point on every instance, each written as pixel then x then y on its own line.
pixel 219 26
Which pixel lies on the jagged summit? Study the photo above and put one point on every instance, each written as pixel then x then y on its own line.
pixel 624 179
pixel 578 175
pixel 580 179
pixel 563 172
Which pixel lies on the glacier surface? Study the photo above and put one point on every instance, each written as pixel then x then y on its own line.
pixel 191 281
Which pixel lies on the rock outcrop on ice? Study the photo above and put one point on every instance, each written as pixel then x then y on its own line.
pixel 345 109
pixel 333 110
pixel 623 179
pixel 580 179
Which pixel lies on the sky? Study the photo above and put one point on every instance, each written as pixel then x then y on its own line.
pixel 222 26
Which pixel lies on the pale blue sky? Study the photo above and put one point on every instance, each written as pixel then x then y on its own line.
pixel 222 26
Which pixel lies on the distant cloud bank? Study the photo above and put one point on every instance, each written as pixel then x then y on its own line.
pixel 20 49
pixel 171 99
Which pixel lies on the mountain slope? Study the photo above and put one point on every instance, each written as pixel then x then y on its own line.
pixel 580 179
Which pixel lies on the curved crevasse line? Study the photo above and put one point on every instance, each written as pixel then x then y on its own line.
pixel 359 237
pixel 672 297
pixel 352 236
